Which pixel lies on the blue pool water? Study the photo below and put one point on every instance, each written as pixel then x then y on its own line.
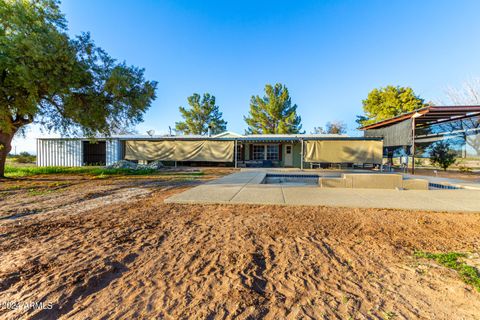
pixel 312 179
pixel 291 179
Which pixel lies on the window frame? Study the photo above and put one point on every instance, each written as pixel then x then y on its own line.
pixel 255 152
pixel 264 152
pixel 276 152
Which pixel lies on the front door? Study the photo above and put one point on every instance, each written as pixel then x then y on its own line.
pixel 288 162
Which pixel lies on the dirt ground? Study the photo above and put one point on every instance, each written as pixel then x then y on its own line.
pixel 110 248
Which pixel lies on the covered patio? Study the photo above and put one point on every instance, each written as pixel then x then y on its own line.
pixel 267 152
pixel 422 127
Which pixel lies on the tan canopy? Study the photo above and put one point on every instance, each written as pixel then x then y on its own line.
pixel 176 150
pixel 150 150
pixel 347 151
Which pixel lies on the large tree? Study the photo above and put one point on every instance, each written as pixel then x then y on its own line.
pixel 273 113
pixel 65 84
pixel 202 115
pixel 388 102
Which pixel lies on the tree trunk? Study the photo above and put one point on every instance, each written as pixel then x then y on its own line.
pixel 5 147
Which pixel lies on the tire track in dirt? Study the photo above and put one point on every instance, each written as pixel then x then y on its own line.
pixel 146 259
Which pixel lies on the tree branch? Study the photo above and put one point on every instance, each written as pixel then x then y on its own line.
pixel 21 121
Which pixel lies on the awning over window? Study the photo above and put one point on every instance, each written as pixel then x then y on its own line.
pixel 337 151
pixel 206 150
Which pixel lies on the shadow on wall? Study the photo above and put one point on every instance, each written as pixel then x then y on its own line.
pixel 362 156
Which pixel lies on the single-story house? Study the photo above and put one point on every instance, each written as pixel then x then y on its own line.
pixel 225 149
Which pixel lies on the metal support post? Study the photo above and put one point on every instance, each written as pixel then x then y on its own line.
pixel 301 158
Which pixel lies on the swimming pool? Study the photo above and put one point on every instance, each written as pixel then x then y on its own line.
pixel 282 179
pixel 440 186
pixel 291 179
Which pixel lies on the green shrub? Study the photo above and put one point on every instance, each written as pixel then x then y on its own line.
pixel 441 155
pixel 464 169
pixel 25 157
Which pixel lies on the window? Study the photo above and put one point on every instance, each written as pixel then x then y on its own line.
pixel 240 152
pixel 272 152
pixel 258 152
pixel 288 150
pixel 265 152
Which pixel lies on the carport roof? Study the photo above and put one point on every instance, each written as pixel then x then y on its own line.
pixel 429 115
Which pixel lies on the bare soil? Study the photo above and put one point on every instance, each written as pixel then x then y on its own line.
pixel 111 248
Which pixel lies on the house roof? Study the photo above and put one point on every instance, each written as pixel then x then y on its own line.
pixel 228 135
pixel 429 115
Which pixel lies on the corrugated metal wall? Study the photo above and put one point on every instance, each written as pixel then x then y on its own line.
pixel 399 134
pixel 59 152
pixel 114 151
pixel 69 152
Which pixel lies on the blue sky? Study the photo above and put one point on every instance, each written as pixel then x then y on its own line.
pixel 329 54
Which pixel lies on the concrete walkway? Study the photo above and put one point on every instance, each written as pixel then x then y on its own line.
pixel 246 187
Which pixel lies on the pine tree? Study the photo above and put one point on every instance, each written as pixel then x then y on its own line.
pixel 203 113
pixel 274 113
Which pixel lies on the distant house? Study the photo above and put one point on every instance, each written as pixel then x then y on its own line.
pixel 225 149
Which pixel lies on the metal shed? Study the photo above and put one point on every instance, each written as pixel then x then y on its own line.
pixel 76 152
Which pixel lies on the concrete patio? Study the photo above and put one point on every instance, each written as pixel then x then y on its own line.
pixel 246 187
